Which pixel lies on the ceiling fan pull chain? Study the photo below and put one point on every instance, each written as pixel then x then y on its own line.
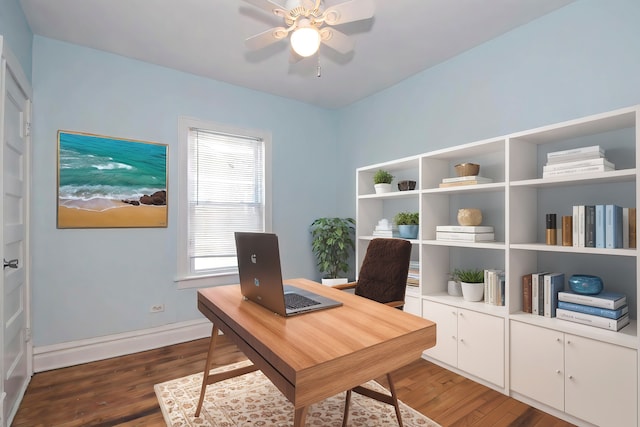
pixel 319 68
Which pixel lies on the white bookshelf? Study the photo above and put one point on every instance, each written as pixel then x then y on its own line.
pixel 515 204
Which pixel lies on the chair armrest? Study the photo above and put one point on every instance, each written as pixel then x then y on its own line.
pixel 350 285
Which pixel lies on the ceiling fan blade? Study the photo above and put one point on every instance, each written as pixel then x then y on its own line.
pixel 268 6
pixel 266 38
pixel 349 11
pixel 336 40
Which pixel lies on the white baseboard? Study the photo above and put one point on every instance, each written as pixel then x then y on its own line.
pixel 77 352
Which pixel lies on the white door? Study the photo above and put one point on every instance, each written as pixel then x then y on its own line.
pixel 15 337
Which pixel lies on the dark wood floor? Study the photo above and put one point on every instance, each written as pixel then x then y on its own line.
pixel 119 392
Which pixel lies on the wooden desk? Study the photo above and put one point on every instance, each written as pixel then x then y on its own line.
pixel 313 356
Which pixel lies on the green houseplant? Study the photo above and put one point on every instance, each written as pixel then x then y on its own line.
pixel 472 282
pixel 382 181
pixel 407 224
pixel 333 244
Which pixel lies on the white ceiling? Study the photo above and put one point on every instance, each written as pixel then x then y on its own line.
pixel 206 38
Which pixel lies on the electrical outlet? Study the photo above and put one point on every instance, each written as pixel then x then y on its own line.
pixel 156 308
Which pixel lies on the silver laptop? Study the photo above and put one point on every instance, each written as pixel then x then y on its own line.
pixel 261 277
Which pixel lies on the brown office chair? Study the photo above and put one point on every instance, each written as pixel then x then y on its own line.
pixel 382 278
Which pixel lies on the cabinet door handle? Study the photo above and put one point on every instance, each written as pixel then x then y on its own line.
pixel 557 371
pixel 453 337
pixel 461 340
pixel 558 340
pixel 570 377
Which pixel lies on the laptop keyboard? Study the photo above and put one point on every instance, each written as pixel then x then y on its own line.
pixel 295 301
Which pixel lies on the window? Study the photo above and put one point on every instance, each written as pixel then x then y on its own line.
pixel 224 187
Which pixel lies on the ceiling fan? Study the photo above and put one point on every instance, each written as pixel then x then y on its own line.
pixel 310 24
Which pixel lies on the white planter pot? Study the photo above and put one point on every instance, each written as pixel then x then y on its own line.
pixel 332 282
pixel 382 188
pixel 472 291
pixel 454 288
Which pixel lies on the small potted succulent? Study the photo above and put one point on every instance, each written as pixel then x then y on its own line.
pixel 408 224
pixel 472 282
pixel 382 181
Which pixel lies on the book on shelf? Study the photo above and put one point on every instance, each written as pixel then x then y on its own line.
pixel 461 183
pixel 465 228
pixel 576 171
pixel 600 226
pixel 526 293
pixel 590 226
pixel 537 293
pixel 553 283
pixel 413 276
pixel 632 227
pixel 612 226
pixel 578 226
pixel 591 320
pixel 477 178
pixel 625 228
pixel 494 287
pixel 609 300
pixel 592 149
pixel 465 237
pixel 595 311
pixel 601 161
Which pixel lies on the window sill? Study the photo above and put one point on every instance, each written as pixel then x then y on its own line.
pixel 188 282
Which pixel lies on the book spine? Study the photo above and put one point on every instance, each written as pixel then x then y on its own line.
pixel 632 227
pixel 579 164
pixel 567 230
pixel 575 151
pixel 590 226
pixel 581 227
pixel 586 169
pixel 574 158
pixel 465 228
pixel 526 293
pixel 464 237
pixel 467 178
pixel 594 311
pixel 547 296
pixel 600 219
pixel 625 228
pixel 613 226
pixel 534 293
pixel 592 300
pixel 455 184
pixel 576 225
pixel 597 321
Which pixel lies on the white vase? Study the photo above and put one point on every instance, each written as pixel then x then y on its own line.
pixel 454 288
pixel 382 188
pixel 472 291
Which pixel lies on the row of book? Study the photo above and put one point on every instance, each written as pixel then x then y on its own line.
pixel 603 226
pixel 576 161
pixel 544 294
pixel 413 278
pixel 465 233
pixel 464 180
pixel 494 285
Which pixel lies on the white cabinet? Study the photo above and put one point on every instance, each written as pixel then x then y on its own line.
pixel 586 378
pixel 515 203
pixel 468 340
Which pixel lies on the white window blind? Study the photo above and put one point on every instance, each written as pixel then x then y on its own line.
pixel 226 193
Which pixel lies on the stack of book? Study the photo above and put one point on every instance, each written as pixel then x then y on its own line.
pixel 413 279
pixel 576 161
pixel 494 285
pixel 540 293
pixel 604 226
pixel 465 233
pixel 384 228
pixel 465 180
pixel 606 310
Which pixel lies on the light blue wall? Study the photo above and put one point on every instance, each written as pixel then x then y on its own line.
pixel 16 33
pixel 87 282
pixel 579 60
pixel 582 59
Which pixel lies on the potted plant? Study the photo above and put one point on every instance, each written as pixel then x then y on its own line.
pixel 408 224
pixel 333 244
pixel 472 282
pixel 382 181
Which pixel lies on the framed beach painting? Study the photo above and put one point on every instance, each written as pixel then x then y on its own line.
pixel 106 182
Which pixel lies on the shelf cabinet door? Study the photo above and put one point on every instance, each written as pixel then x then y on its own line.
pixel 412 305
pixel 446 319
pixel 481 345
pixel 537 363
pixel 601 382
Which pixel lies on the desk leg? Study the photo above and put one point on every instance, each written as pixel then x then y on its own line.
pixel 208 379
pixel 380 397
pixel 299 416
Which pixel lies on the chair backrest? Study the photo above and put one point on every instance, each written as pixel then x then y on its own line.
pixel 383 274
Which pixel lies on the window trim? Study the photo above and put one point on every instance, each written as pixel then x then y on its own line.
pixel 185 278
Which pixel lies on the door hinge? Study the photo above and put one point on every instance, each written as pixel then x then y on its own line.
pixel 27 334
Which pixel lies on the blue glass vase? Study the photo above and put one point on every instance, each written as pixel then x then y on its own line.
pixel 585 284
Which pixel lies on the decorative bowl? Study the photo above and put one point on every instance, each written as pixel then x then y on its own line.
pixel 406 185
pixel 467 169
pixel 585 284
pixel 469 216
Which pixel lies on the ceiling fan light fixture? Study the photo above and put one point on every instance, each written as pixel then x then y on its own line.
pixel 305 41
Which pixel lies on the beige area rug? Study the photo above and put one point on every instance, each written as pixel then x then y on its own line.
pixel 251 400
